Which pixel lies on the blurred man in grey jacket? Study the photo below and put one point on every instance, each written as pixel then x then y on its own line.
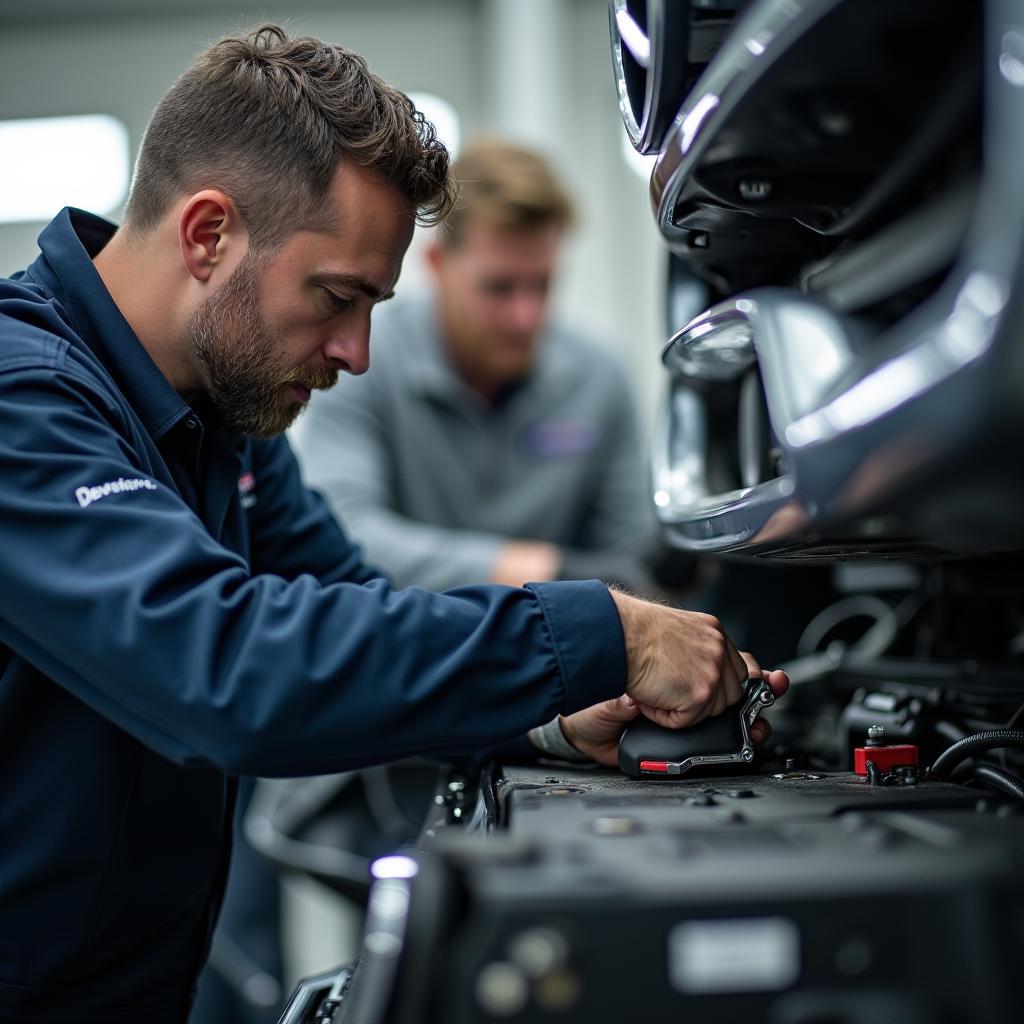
pixel 487 443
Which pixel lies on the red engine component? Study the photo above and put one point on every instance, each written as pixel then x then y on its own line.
pixel 886 757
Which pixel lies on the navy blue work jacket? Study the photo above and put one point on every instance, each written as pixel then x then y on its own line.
pixel 177 609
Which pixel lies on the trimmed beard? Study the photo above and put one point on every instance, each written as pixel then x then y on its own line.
pixel 244 380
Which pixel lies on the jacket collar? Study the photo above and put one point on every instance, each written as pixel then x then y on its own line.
pixel 65 269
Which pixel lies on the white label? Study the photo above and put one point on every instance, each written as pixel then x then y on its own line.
pixel 85 496
pixel 760 954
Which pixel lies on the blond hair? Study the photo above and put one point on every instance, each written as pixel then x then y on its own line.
pixel 506 186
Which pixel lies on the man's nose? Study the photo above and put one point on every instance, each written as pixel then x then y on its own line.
pixel 349 350
pixel 525 311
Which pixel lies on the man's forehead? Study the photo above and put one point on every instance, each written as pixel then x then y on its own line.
pixel 355 190
pixel 363 212
pixel 484 237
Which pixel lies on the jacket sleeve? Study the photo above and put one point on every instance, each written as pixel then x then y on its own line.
pixel 111 586
pixel 343 453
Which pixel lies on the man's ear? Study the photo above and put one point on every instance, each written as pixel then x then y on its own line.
pixel 435 254
pixel 211 233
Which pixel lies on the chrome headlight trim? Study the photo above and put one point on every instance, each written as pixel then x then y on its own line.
pixel 822 388
pixel 662 74
pixel 624 31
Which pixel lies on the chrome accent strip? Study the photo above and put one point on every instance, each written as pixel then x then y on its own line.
pixel 632 36
pixel 617 9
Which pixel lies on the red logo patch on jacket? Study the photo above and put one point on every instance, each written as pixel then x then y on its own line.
pixel 247 490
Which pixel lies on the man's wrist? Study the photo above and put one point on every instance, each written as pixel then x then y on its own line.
pixel 635 619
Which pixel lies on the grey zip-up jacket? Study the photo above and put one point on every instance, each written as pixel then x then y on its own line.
pixel 431 480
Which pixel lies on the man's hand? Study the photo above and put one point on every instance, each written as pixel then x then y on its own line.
pixel 596 730
pixel 680 665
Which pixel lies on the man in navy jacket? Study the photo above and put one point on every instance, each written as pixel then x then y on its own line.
pixel 175 609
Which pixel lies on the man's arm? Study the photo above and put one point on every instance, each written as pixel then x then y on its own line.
pixel 129 604
pixel 294 533
pixel 112 587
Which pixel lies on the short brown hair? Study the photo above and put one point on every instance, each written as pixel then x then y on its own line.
pixel 506 186
pixel 266 119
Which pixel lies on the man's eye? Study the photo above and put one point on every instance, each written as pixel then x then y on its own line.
pixel 496 288
pixel 337 303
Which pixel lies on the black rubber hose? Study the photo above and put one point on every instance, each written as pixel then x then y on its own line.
pixel 1003 781
pixel 976 744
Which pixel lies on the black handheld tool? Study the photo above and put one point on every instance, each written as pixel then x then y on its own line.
pixel 647 749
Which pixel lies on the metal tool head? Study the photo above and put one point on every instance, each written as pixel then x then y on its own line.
pixel 648 749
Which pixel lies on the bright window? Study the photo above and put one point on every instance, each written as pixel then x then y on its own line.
pixel 48 163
